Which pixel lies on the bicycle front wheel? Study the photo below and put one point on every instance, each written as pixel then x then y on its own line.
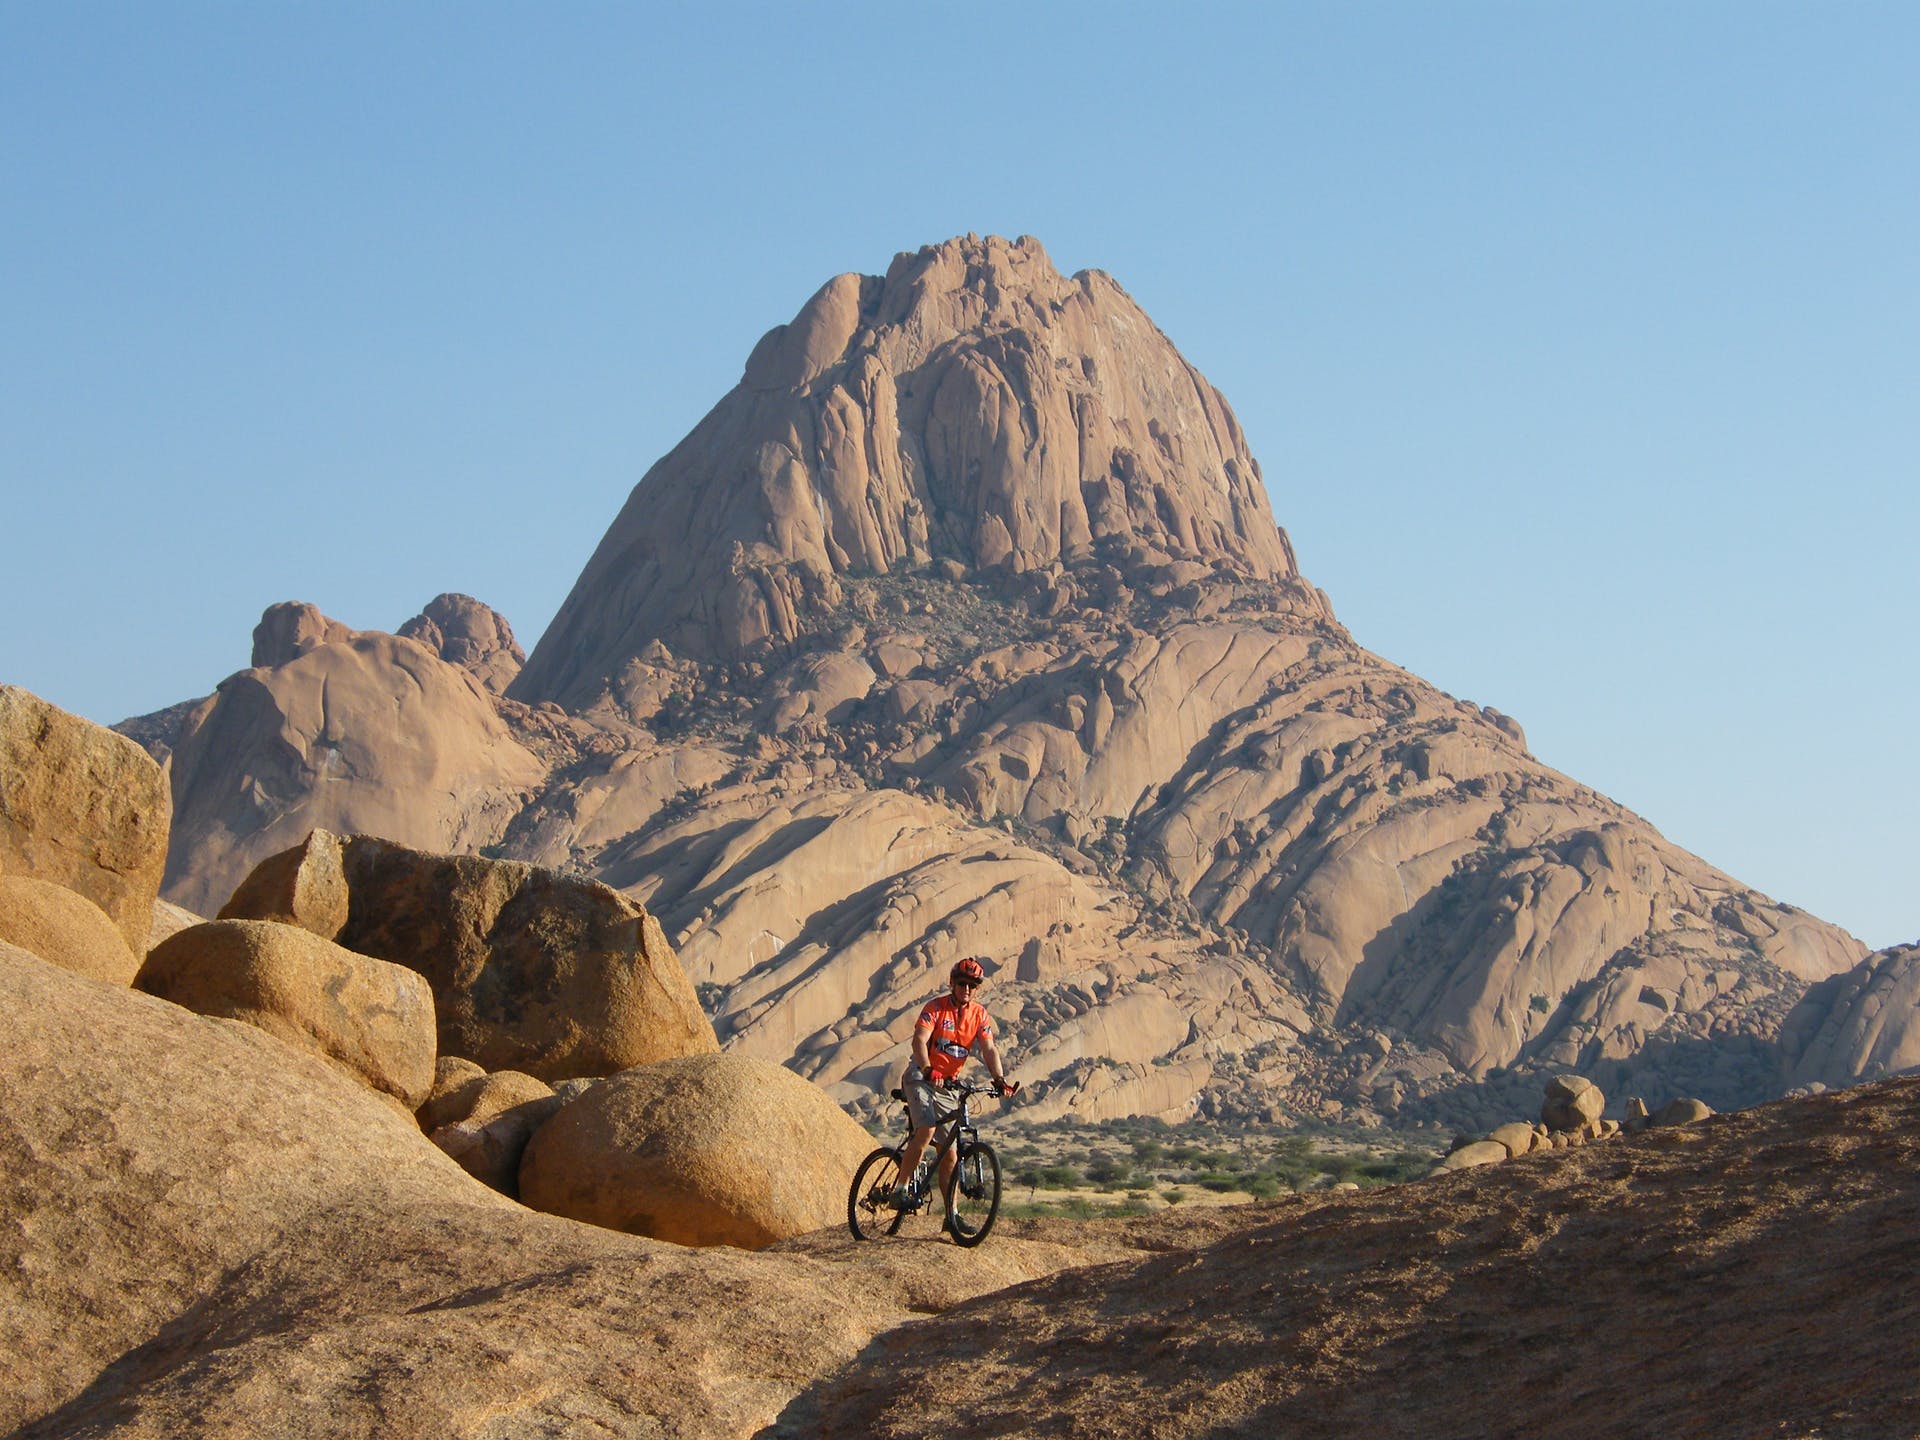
pixel 973 1194
pixel 870 1212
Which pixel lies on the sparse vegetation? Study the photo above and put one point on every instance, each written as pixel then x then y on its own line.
pixel 1141 1162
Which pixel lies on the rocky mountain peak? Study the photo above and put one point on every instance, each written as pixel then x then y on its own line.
pixel 465 632
pixel 290 629
pixel 971 409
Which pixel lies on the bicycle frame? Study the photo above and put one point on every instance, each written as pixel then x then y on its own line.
pixel 946 1136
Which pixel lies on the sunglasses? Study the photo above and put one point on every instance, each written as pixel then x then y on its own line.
pixel 968 984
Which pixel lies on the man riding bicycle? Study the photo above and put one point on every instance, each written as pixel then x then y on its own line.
pixel 944 1035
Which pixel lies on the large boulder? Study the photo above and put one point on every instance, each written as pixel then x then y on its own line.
pixel 146 1151
pixel 531 970
pixel 1517 1136
pixel 373 1019
pixel 84 808
pixel 64 928
pixel 705 1150
pixel 290 629
pixel 1685 1110
pixel 1474 1153
pixel 451 1074
pixel 1571 1104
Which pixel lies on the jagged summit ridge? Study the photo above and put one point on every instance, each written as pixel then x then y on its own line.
pixel 972 406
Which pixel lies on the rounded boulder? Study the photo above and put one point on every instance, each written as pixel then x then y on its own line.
pixel 1572 1103
pixel 1475 1153
pixel 701 1150
pixel 479 1099
pixel 373 1019
pixel 1517 1136
pixel 65 929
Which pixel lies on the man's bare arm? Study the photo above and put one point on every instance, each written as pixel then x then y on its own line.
pixel 990 1053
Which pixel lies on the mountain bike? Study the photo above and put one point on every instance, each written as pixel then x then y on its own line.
pixel 972 1196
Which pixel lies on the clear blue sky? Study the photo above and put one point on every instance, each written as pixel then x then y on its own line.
pixel 1580 343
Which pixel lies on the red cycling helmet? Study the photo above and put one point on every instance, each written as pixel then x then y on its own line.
pixel 968 970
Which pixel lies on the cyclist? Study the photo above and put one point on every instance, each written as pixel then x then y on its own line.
pixel 944 1035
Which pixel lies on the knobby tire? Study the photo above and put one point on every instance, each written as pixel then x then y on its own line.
pixel 970 1216
pixel 870 1212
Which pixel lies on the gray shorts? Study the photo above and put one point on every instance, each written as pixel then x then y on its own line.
pixel 926 1105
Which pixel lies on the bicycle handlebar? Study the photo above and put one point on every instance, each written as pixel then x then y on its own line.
pixel 971 1088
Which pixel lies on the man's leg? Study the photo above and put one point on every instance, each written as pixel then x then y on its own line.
pixel 910 1158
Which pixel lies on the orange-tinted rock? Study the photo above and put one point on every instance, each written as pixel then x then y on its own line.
pixel 1572 1103
pixel 169 920
pixel 372 1019
pixel 706 1150
pixel 84 808
pixel 304 886
pixel 64 929
pixel 531 970
pixel 204 1231
pixel 485 1125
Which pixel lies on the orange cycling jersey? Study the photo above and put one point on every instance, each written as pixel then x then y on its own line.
pixel 952 1030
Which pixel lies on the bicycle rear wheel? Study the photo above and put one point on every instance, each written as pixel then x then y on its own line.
pixel 870 1212
pixel 973 1195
